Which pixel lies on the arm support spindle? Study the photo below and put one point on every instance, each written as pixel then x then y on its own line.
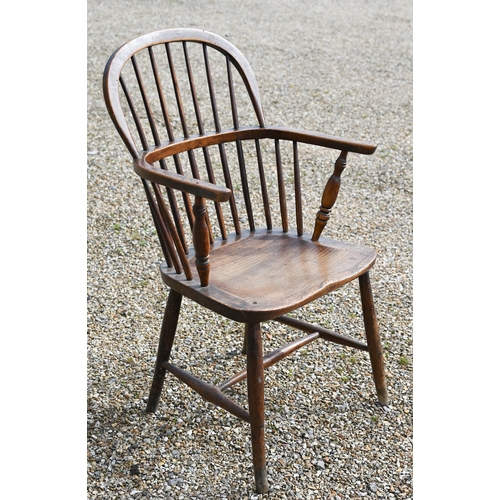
pixel 201 240
pixel 329 196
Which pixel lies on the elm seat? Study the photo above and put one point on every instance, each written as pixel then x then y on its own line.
pixel 187 106
pixel 264 274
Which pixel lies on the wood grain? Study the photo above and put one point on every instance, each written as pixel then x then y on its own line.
pixel 265 274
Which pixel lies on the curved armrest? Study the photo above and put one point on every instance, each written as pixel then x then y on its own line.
pixel 325 140
pixel 245 133
pixel 174 180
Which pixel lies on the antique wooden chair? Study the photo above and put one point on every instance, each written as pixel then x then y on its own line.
pixel 241 166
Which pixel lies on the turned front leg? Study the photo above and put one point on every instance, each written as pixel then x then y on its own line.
pixel 329 196
pixel 201 240
pixel 255 384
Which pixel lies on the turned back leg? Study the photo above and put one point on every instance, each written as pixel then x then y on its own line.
pixel 373 339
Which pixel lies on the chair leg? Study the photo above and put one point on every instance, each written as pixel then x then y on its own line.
pixel 165 343
pixel 373 339
pixel 255 381
pixel 244 348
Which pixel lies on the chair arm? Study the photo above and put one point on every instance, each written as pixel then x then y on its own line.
pixel 246 133
pixel 190 185
pixel 201 190
pixel 319 139
pixel 332 187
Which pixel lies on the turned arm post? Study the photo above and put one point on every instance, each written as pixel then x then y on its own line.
pixel 329 196
pixel 201 240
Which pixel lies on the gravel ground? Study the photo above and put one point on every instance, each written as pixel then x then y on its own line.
pixel 342 67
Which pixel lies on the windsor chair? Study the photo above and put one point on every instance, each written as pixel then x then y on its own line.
pixel 225 228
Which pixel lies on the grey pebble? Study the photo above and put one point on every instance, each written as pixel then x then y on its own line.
pixel 176 481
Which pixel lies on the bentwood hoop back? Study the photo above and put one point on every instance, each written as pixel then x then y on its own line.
pixel 225 196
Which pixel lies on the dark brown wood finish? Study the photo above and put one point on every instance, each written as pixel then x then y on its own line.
pixel 186 100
